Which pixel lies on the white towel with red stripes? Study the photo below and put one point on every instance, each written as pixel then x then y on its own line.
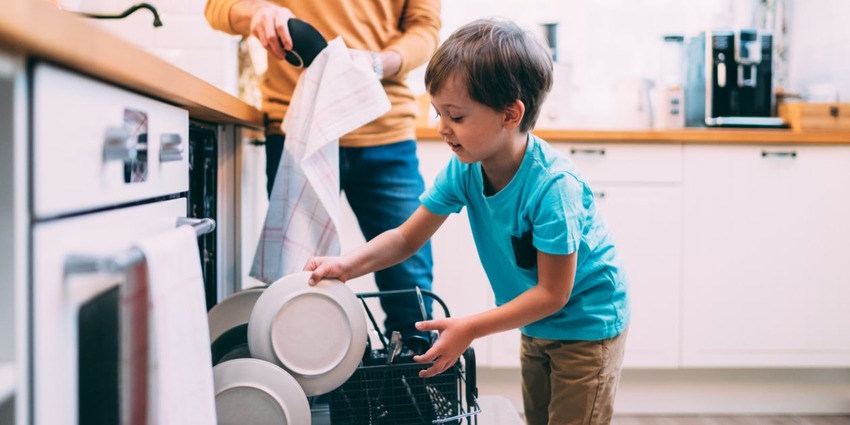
pixel 334 95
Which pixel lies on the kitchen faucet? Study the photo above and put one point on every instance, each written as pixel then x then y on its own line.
pixel 156 21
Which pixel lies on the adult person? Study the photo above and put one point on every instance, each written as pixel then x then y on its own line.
pixel 379 169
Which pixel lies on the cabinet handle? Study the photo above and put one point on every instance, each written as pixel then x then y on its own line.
pixel 599 195
pixel 788 154
pixel 171 147
pixel 574 151
pixel 118 145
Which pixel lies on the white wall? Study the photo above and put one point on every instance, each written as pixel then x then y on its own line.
pixel 820 45
pixel 184 39
pixel 603 40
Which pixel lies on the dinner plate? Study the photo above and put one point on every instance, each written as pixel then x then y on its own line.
pixel 232 311
pixel 252 391
pixel 317 333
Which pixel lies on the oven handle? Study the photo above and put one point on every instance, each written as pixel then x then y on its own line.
pixel 80 264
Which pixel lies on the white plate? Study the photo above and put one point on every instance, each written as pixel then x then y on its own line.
pixel 251 391
pixel 232 311
pixel 317 333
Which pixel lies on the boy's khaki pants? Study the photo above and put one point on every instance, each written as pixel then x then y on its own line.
pixel 570 382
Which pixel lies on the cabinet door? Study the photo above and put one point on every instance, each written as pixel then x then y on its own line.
pixel 646 222
pixel 766 282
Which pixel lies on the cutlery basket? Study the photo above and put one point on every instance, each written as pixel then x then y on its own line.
pixel 394 394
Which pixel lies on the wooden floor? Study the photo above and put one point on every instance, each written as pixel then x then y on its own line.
pixel 731 420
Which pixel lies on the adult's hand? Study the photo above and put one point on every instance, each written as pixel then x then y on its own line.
pixel 269 25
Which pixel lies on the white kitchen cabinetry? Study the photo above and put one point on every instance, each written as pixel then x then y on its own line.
pixel 766 282
pixel 638 192
pixel 14 243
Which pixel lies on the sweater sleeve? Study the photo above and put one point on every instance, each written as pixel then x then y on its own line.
pixel 420 26
pixel 217 13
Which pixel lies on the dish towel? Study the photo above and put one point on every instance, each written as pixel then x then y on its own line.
pixel 333 96
pixel 180 378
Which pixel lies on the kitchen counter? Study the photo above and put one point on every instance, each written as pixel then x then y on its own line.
pixel 38 30
pixel 685 135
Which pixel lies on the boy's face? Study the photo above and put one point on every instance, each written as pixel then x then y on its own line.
pixel 474 131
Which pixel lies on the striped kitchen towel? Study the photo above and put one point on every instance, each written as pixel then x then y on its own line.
pixel 334 95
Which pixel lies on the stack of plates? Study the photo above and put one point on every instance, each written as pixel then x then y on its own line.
pixel 291 333
pixel 228 322
pixel 251 391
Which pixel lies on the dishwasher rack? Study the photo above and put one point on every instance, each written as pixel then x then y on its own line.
pixel 393 394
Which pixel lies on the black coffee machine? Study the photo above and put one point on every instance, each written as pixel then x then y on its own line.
pixel 730 79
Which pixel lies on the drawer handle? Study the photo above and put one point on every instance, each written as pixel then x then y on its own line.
pixel 171 147
pixel 574 151
pixel 118 145
pixel 600 195
pixel 781 154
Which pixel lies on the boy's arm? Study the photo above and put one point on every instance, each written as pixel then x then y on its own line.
pixel 556 274
pixel 387 249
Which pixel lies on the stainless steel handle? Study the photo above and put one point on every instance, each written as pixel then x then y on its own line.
pixel 574 151
pixel 782 154
pixel 81 264
pixel 171 147
pixel 118 145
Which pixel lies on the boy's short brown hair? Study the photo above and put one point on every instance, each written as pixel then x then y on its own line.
pixel 500 63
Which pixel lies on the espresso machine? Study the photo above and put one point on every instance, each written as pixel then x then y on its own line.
pixel 729 79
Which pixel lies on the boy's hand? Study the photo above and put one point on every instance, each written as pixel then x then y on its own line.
pixel 455 337
pixel 322 267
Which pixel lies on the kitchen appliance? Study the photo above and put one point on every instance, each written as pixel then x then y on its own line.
pixel 555 111
pixel 632 105
pixel 108 169
pixel 730 79
pixel 670 87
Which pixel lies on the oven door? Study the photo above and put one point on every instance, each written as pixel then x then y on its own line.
pixel 82 333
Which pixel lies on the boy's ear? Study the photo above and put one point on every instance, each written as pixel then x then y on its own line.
pixel 513 114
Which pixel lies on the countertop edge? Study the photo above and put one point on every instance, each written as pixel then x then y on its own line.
pixel 69 41
pixel 685 135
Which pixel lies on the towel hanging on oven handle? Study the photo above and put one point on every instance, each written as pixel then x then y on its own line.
pixel 79 264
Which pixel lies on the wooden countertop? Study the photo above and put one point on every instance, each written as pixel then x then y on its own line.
pixel 685 135
pixel 37 30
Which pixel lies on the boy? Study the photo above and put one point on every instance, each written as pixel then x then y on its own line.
pixel 548 255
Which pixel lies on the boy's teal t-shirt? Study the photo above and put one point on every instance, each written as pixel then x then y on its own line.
pixel 547 206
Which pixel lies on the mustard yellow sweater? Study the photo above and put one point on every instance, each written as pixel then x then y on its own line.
pixel 409 27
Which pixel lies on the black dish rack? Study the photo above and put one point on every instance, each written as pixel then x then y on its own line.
pixel 393 394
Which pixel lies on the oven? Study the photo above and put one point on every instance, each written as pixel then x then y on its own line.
pixel 109 167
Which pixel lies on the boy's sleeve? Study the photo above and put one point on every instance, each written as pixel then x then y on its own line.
pixel 558 219
pixel 443 196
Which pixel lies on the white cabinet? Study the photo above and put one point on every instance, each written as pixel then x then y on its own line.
pixel 647 224
pixel 14 242
pixel 766 282
pixel 638 193
pixel 639 196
